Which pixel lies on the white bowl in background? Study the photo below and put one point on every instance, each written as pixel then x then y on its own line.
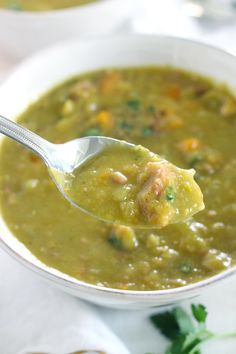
pixel 23 32
pixel 52 66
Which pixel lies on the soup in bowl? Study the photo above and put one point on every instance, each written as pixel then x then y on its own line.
pixel 170 95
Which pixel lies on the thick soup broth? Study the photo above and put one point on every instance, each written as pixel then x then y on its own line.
pixel 184 118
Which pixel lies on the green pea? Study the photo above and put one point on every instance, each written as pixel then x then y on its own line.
pixel 133 104
pixel 115 241
pixel 194 160
pixel 146 131
pixel 125 125
pixel 186 268
pixel 92 132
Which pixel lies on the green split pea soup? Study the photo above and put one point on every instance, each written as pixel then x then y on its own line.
pixel 181 116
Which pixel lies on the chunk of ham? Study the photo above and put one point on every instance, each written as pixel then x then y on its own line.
pixel 154 178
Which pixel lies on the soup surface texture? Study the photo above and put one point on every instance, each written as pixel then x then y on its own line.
pixel 41 5
pixel 131 185
pixel 184 118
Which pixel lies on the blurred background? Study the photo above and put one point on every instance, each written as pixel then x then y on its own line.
pixel 210 21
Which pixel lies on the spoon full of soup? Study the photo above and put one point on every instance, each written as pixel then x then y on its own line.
pixel 114 180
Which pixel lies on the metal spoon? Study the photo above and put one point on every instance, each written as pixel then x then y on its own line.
pixel 62 158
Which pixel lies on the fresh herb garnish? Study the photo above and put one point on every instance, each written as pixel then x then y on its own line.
pixel 125 125
pixel 199 312
pixel 92 132
pixel 186 268
pixel 185 331
pixel 146 131
pixel 194 160
pixel 133 104
pixel 115 241
pixel 170 193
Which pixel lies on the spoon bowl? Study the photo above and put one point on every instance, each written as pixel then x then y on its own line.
pixel 61 159
pixel 69 156
pixel 65 158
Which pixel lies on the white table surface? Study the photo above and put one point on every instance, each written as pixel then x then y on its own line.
pixel 166 17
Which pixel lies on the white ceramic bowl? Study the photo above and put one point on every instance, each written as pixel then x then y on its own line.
pixel 23 32
pixel 48 68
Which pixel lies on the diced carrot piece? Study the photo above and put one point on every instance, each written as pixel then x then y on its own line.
pixel 190 144
pixel 34 158
pixel 104 119
pixel 173 92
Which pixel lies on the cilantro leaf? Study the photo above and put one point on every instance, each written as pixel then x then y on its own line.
pixel 185 335
pixel 114 241
pixel 92 132
pixel 199 313
pixel 177 345
pixel 166 323
pixel 194 338
pixel 170 194
pixel 173 323
pixel 133 104
pixel 184 321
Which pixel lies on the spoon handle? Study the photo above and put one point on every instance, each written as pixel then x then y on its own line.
pixel 27 138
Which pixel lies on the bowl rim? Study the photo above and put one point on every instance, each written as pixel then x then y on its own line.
pixel 59 11
pixel 62 279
